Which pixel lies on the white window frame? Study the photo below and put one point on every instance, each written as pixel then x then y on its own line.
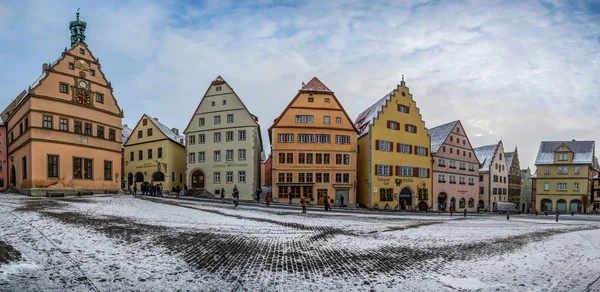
pixel 229 177
pixel 229 117
pixel 201 139
pixel 422 172
pixel 326 120
pixel 383 170
pixel 192 157
pixel 228 155
pixel 242 135
pixel 404 148
pixel 546 186
pixel 242 176
pixel 217 177
pixel 201 156
pixel 576 186
pixel 217 120
pixel 384 145
pixel 217 155
pixel 241 154
pixel 405 170
pixel 421 150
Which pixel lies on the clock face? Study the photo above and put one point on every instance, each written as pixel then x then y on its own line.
pixel 82 84
pixel 83 98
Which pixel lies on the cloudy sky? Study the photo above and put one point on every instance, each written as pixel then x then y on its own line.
pixel 521 71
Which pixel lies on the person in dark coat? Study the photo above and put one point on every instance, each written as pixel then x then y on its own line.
pixel 303 203
pixel 326 201
pixel 236 196
pixel 341 201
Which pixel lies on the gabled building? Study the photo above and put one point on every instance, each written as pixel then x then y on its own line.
pixel 526 190
pixel 63 131
pixel 514 176
pixel 394 160
pixel 564 176
pixel 313 143
pixel 455 169
pixel 493 175
pixel 155 154
pixel 224 145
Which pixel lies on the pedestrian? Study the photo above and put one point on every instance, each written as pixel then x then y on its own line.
pixel 159 188
pixel 341 201
pixel 326 200
pixel 236 195
pixel 178 189
pixel 258 192
pixel 131 188
pixel 303 202
pixel 152 189
pixel 185 189
pixel 268 199
pixel 222 195
pixel 290 196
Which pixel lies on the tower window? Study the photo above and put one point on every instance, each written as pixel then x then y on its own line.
pixel 82 51
pixel 93 72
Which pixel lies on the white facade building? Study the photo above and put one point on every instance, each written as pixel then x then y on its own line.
pixel 493 175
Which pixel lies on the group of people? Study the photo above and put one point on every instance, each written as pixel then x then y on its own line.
pixel 156 190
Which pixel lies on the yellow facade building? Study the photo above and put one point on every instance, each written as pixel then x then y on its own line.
pixel 394 163
pixel 313 145
pixel 155 153
pixel 564 176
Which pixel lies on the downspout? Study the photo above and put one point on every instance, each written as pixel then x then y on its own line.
pixel 370 170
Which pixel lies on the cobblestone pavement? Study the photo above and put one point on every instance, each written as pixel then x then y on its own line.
pixel 273 249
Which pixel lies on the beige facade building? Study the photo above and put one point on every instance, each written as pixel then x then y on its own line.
pixel 224 145
pixel 64 132
pixel 493 175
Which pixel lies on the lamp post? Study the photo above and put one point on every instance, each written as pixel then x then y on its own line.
pixel 368 192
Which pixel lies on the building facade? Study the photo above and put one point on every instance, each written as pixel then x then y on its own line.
pixel 3 158
pixel 493 175
pixel 224 145
pixel 514 176
pixel 394 160
pixel 64 131
pixel 267 170
pixel 564 176
pixel 155 153
pixel 526 190
pixel 313 144
pixel 455 169
pixel 125 133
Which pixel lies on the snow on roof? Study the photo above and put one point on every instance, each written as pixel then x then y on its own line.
pixel 583 151
pixel 168 132
pixel 366 118
pixel 315 85
pixel 485 154
pixel 523 173
pixel 509 156
pixel 125 133
pixel 439 134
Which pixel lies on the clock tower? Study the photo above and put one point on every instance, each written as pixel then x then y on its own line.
pixel 77 28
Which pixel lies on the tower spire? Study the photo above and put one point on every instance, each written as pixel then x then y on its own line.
pixel 77 28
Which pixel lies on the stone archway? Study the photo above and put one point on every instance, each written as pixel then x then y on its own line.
pixel 197 179
pixel 405 198
pixel 576 206
pixel 442 201
pixel 546 205
pixel 561 206
pixel 481 204
pixel 139 177
pixel 158 176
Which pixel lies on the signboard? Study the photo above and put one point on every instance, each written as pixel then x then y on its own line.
pixel 231 164
pixel 146 165
pixel 83 140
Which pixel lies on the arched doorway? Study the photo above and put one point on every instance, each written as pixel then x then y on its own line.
pixel 576 206
pixel 405 198
pixel 139 177
pixel 129 179
pixel 452 205
pixel 13 176
pixel 546 205
pixel 462 203
pixel 158 176
pixel 198 179
pixel 423 206
pixel 471 203
pixel 561 206
pixel 442 201
pixel 481 204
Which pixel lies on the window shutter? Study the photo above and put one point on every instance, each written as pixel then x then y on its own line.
pixel 415 127
pixel 415 171
pixel 416 149
pixel 389 123
pixel 397 147
pixel 426 151
pixel 376 144
pixel 407 109
pixel 397 170
pixel 406 127
pixel 375 169
pixel 409 149
pixel 428 173
pixel 398 106
pixel 392 146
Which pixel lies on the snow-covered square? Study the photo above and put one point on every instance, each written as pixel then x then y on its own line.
pixel 115 243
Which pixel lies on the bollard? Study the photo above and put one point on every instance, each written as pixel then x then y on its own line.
pixel 546 212
pixel 507 215
pixel 572 213
pixel 450 213
pixel 557 215
pixel 465 212
pixel 536 213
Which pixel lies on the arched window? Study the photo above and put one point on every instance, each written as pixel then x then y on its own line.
pixel 471 203
pixel 158 176
pixel 546 205
pixel 461 203
pixel 139 177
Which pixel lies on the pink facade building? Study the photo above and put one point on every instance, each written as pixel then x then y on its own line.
pixel 3 157
pixel 455 169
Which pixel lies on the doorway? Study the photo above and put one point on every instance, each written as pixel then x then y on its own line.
pixel 198 179
pixel 405 198
pixel 442 201
pixel 13 176
pixel 342 197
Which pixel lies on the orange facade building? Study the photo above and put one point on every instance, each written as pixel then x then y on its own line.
pixel 64 132
pixel 313 146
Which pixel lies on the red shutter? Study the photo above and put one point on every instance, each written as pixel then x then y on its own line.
pixel 398 106
pixel 392 146
pixel 389 124
pixel 415 129
pixel 428 173
pixel 398 147
pixel 408 110
pixel 376 144
pixel 397 171
pixel 415 171
pixel 375 169
pixel 406 127
pixel 426 151
pixel 409 149
pixel 398 127
pixel 416 149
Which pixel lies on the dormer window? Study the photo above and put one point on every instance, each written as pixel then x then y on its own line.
pixel 563 156
pixel 82 51
pixel 93 72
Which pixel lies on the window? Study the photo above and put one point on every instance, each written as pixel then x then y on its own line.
pixel 201 156
pixel 224 102
pixel 411 128
pixel 403 109
pixel 82 51
pixel 471 166
pixel 309 158
pixel 99 98
pixel 229 155
pixel 212 103
pixel 452 179
pixel 326 120
pixel 338 159
pixel 140 154
pixel 87 129
pixel 563 156
pixel 229 176
pixel 159 152
pixel 495 191
pixel 304 119
pixel 218 137
pixel 301 177
pixel 242 135
pixel 53 166
pixel 281 138
pixel 289 177
pixel 217 155
pixel 452 164
pixel 229 136
pixel 563 170
pixel 24 161
pixel 201 122
pixel 149 153
pixel 218 88
pixel 201 139
pixel 423 172
pixel 242 176
pixel 217 177
pixel 145 122
pixel 342 139
pixel 576 186
pixel 192 139
pixel 481 190
pixel 64 88
pixel 405 148
pixel 1 182
pixel 320 138
pixel 462 166
pixel 338 120
pixel 217 120
pixel 500 156
pixel 100 131
pixel 192 157
pixel 381 145
pixel 230 118
pixel 405 171
pixel 326 158
pixel 461 180
pixel 346 159
pixel 310 99
pixel 92 72
pixel 140 134
pixel 149 132
pixel 107 170
pixel 242 154
pixel 88 169
pixel 26 124
pixel 77 168
pixel 393 125
pixel 111 134
pixel 290 158
pixel 281 158
pixel 63 124
pixel 561 186
pixel 422 151
pixel 496 178
pixel 326 100
pixel 47 122
pixel 471 181
pixel 577 170
pixel 131 156
pixel 547 170
pixel 71 66
pixel 441 178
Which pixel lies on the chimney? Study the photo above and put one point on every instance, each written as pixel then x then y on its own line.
pixel 175 130
pixel 44 67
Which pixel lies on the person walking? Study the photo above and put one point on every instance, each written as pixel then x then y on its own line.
pixel 222 195
pixel 303 203
pixel 341 201
pixel 185 189
pixel 326 200
pixel 258 192
pixel 236 196
pixel 159 189
pixel 290 196
pixel 268 199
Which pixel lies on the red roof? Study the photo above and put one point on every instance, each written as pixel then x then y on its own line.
pixel 315 85
pixel 218 80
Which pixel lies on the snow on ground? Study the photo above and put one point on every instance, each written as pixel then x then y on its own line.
pixel 113 243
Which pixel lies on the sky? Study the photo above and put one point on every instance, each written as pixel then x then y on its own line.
pixel 516 71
